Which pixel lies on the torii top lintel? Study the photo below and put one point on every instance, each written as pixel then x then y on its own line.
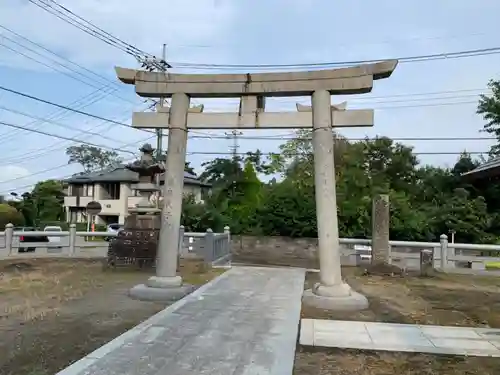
pixel 353 80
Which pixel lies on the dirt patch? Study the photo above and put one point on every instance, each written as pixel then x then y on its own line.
pixel 357 362
pixel 59 311
pixel 21 266
pixel 461 300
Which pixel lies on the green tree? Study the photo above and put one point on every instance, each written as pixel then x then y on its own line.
pixel 489 108
pixel 468 217
pixel 49 198
pixel 197 217
pixel 43 204
pixel 188 168
pixel 9 214
pixel 245 200
pixel 390 165
pixel 92 158
pixel 220 171
pixel 288 209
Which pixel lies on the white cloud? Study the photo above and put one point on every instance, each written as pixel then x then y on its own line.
pixel 10 172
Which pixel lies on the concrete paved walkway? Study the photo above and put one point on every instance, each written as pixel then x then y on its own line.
pixel 484 342
pixel 244 322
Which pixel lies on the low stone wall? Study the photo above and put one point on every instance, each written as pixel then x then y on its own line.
pixel 192 263
pixel 278 251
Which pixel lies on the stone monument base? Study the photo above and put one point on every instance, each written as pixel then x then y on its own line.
pixel 337 298
pixel 144 292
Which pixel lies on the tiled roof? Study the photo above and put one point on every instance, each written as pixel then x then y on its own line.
pixel 121 174
pixel 489 169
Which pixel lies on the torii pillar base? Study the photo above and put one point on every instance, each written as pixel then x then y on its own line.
pixel 338 297
pixel 161 289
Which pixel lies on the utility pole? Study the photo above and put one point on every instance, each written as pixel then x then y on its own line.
pixel 234 151
pixel 159 132
pixel 234 148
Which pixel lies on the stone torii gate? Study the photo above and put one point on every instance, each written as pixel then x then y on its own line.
pixel 252 89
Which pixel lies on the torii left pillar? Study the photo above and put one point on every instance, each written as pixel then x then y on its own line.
pixel 166 284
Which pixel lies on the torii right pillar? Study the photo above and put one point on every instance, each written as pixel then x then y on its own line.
pixel 331 292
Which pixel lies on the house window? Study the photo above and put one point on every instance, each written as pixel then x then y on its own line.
pixel 111 190
pixel 76 190
pixel 89 190
pixel 81 190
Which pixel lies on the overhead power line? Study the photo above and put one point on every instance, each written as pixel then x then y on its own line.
pixel 36 173
pixel 66 107
pixel 288 137
pixel 96 75
pixel 480 91
pixel 242 154
pixel 89 78
pixel 48 66
pixel 63 137
pixel 128 126
pixel 28 155
pixel 401 59
pixel 298 154
pixel 59 114
pixel 90 28
pixel 147 60
pixel 349 44
pixel 65 126
pixel 66 164
pixel 40 172
pixel 68 16
pixel 384 107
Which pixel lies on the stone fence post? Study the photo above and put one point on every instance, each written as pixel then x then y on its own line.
pixel 9 237
pixel 380 229
pixel 209 245
pixel 443 240
pixel 181 239
pixel 72 239
pixel 227 232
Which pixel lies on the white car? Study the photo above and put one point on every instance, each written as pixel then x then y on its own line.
pixel 113 228
pixel 53 229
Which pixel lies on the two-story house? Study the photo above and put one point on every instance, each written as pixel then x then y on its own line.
pixel 112 188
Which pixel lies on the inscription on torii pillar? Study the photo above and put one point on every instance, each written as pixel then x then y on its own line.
pixel 252 89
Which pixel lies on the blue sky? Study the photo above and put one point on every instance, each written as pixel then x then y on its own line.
pixel 244 32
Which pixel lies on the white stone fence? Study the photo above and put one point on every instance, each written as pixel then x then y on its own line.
pixel 61 244
pixel 215 248
pixel 447 256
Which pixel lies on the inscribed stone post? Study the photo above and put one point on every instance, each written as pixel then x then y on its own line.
pixel 380 228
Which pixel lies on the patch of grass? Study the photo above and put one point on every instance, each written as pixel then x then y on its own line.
pixel 201 278
pixel 360 362
pixel 34 288
pixel 54 312
pixel 444 299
